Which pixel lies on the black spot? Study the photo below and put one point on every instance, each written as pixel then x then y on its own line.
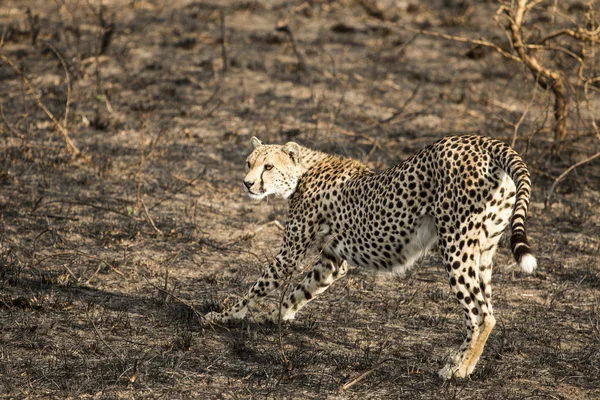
pixel 317 275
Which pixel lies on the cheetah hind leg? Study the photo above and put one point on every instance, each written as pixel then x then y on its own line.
pixel 470 281
pixel 461 364
pixel 323 274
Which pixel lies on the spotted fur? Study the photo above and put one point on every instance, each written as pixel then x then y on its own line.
pixel 460 192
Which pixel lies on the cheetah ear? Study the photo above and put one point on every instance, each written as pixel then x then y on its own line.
pixel 256 142
pixel 293 150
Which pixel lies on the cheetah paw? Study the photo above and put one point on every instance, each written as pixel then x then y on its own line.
pixel 271 317
pixel 215 317
pixel 453 368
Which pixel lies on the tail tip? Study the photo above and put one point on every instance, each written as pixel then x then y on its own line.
pixel 528 263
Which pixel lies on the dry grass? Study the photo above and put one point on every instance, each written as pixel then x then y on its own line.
pixel 105 256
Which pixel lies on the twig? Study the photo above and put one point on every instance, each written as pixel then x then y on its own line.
pixel 561 176
pixel 34 25
pixel 71 147
pixel 108 29
pixel 212 110
pixel 3 36
pixel 167 265
pixel 518 124
pixel 87 282
pixel 484 43
pixel 137 363
pixel 185 303
pixel 362 376
pixel 587 101
pixel 94 257
pixel 223 40
pixel 337 109
pixel 375 144
pixel 580 35
pixel 102 339
pixel 251 234
pixel 403 106
pixel 71 273
pixel 68 77
pixel 190 183
pixel 97 207
pixel 154 142
pixel 150 219
pixel 140 174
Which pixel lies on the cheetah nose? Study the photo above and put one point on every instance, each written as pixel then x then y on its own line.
pixel 248 184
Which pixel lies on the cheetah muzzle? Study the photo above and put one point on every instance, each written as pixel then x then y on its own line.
pixel 459 192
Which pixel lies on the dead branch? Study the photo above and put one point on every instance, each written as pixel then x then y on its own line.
pixel 480 42
pixel 568 170
pixel 581 35
pixel 524 53
pixel 71 146
pixel 547 78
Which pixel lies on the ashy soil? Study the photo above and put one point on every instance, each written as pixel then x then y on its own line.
pixel 109 257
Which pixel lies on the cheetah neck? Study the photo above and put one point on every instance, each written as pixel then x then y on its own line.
pixel 309 158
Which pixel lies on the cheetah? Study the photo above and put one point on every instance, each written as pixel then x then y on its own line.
pixel 459 192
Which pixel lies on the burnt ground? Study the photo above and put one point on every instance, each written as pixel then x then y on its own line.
pixel 106 256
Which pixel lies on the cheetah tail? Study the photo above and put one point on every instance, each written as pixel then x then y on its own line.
pixel 515 167
pixel 518 240
pixel 522 253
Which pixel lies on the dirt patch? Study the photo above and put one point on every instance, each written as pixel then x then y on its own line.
pixel 154 202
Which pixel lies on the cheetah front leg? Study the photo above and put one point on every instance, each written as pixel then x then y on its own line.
pixel 270 280
pixel 297 240
pixel 323 274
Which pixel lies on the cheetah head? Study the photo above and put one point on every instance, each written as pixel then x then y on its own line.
pixel 272 169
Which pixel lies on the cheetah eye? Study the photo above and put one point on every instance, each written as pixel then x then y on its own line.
pixel 268 167
pixel 248 164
